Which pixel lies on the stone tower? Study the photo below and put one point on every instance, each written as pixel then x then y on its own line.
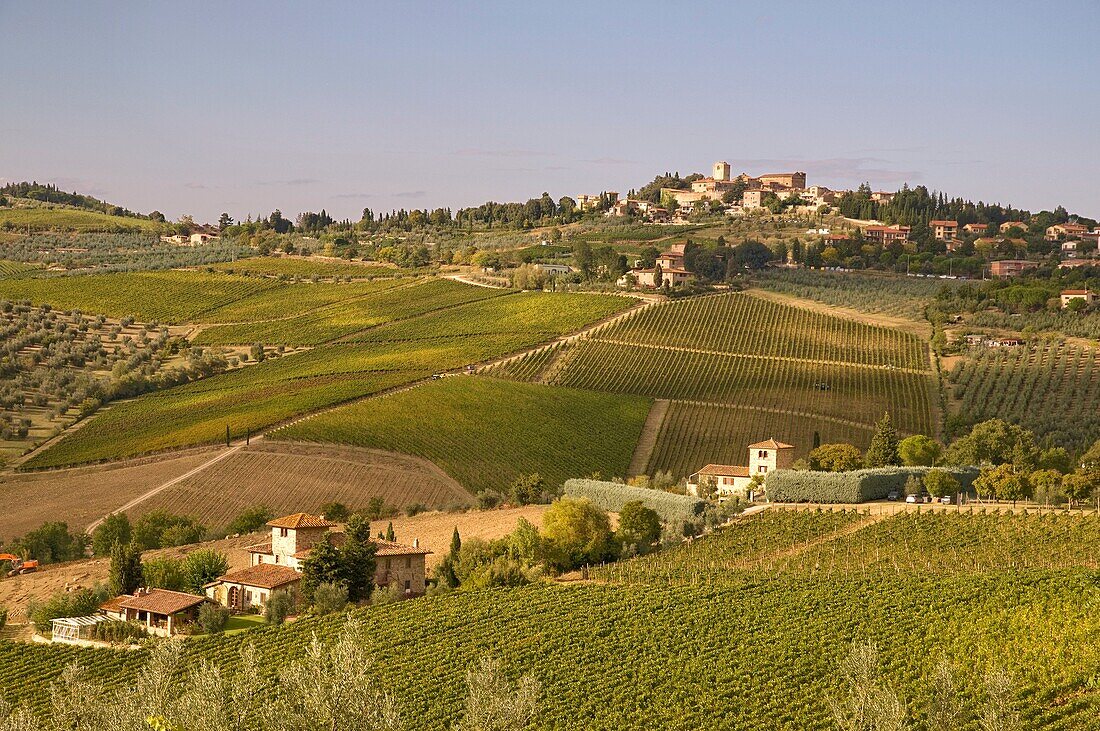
pixel 721 171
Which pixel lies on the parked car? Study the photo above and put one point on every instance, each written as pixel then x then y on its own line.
pixel 893 495
pixel 946 499
pixel 912 498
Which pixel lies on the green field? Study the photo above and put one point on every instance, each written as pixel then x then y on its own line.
pixel 484 432
pixel 71 219
pixel 305 267
pixel 332 311
pixel 1051 389
pixel 167 297
pixel 753 643
pixel 263 395
pixel 694 434
pixel 15 268
pixel 738 368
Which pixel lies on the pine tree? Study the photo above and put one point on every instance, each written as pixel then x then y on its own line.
pixel 322 566
pixel 126 571
pixel 358 558
pixel 884 445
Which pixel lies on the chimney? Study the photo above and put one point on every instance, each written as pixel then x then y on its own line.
pixel 416 543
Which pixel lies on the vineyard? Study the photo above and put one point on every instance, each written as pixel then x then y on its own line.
pixel 739 368
pixel 14 268
pixel 484 432
pixel 289 478
pixel 284 266
pixel 171 297
pixel 694 434
pixel 886 294
pixel 1051 389
pixel 71 219
pixel 278 389
pixel 761 652
pixel 832 544
pixel 331 311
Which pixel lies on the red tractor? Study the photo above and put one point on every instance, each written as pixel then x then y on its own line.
pixel 18 565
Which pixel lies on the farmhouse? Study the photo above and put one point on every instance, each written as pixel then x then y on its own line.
pixel 163 612
pixel 277 565
pixel 1013 224
pixel 1069 295
pixel 976 229
pixel 730 480
pixel 1060 231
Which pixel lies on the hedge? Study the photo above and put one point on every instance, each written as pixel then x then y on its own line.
pixel 612 496
pixel 857 486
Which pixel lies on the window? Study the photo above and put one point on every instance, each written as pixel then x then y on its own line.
pixel 408 585
pixel 762 468
pixel 408 563
pixel 283 532
pixel 248 596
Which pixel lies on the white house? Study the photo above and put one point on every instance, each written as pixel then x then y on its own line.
pixel 730 480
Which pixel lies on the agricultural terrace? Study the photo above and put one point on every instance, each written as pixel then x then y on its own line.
pixel 485 432
pixel 763 654
pixel 305 267
pixel 14 268
pixel 691 435
pixel 738 367
pixel 331 311
pixel 170 297
pixel 1053 389
pixel 71 219
pixel 288 478
pixel 842 543
pixel 887 294
pixel 278 389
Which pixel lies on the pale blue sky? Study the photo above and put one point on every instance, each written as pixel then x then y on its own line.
pixel 199 107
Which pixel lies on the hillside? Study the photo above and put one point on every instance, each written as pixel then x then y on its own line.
pixel 71 219
pixel 760 649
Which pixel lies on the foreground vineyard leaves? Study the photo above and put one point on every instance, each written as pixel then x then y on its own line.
pixel 756 650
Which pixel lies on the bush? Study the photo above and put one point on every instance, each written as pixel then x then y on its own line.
pixel 212 618
pixel 386 595
pixel 335 512
pixel 329 598
pixel 115 631
pixel 80 603
pixel 3 618
pixel 789 486
pixel 250 520
pixel 671 508
pixel 279 605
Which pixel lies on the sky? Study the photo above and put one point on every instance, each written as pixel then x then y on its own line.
pixel 203 107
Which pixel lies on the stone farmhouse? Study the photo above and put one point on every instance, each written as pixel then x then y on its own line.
pixel 668 269
pixel 736 480
pixel 161 611
pixel 1069 295
pixel 277 565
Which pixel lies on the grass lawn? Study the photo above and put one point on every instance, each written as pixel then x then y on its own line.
pixel 244 622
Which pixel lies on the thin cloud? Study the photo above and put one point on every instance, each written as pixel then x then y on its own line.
pixel 411 194
pixel 292 182
pixel 354 195
pixel 611 161
pixel 482 152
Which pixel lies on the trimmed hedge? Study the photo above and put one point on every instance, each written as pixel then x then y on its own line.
pixel 612 496
pixel 857 486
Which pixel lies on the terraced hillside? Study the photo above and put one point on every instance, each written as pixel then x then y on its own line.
pixel 758 649
pixel 433 326
pixel 738 368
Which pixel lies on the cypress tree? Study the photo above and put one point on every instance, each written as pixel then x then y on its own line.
pixel 884 445
pixel 322 566
pixel 390 536
pixel 126 571
pixel 456 543
pixel 358 558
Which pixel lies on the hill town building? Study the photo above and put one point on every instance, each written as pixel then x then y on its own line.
pixel 736 480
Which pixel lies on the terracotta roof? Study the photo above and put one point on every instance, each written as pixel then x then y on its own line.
pixel 944 223
pixel 1075 291
pixel 771 444
pixel 386 548
pixel 260 548
pixel 300 520
pixel 161 601
pixel 725 470
pixel 113 605
pixel 263 576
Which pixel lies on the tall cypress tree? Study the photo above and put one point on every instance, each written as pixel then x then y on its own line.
pixel 322 566
pixel 358 558
pixel 884 445
pixel 126 570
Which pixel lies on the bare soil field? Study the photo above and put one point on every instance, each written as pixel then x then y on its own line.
pixel 433 530
pixel 79 496
pixel 290 477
